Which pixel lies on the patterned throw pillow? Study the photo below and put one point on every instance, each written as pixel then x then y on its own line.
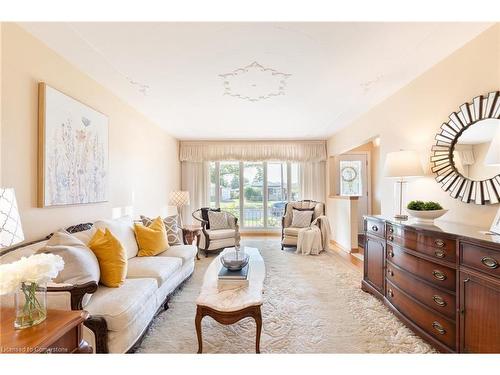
pixel 204 214
pixel 174 232
pixel 217 220
pixel 302 219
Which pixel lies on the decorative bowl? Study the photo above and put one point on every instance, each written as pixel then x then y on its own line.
pixel 426 216
pixel 234 260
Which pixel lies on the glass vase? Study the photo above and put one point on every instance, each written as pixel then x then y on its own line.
pixel 31 305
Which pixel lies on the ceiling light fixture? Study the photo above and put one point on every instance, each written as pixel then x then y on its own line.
pixel 254 82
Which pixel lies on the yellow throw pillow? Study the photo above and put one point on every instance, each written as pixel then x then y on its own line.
pixel 112 258
pixel 152 240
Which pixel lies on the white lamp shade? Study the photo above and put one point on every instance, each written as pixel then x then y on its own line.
pixel 11 231
pixel 179 198
pixel 492 157
pixel 403 164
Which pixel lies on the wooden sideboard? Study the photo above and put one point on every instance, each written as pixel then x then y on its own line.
pixel 442 281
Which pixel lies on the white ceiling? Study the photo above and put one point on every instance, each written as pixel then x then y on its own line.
pixel 338 70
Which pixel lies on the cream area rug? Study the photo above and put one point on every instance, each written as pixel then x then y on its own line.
pixel 312 304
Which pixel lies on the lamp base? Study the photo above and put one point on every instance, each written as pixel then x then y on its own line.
pixel 401 217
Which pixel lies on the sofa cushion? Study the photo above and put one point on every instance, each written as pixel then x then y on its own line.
pixel 185 252
pixel 159 268
pixel 123 229
pixel 219 234
pixel 292 231
pixel 119 306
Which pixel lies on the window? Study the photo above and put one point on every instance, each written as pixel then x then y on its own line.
pixel 255 192
pixel 277 192
pixel 350 177
pixel 229 187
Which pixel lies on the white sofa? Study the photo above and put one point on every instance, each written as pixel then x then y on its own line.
pixel 120 316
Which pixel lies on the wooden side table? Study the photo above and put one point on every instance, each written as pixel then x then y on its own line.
pixel 189 234
pixel 61 332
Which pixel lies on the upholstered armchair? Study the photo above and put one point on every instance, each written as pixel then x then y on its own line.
pixel 216 239
pixel 289 234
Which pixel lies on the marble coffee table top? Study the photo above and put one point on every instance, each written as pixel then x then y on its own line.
pixel 234 299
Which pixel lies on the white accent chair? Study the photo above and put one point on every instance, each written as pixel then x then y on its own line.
pixel 212 240
pixel 289 234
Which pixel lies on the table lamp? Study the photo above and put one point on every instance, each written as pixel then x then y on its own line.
pixel 402 165
pixel 11 231
pixel 179 199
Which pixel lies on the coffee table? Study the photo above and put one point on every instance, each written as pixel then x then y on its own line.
pixel 230 306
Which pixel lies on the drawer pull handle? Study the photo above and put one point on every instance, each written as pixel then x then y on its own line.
pixel 390 229
pixel 490 262
pixel 391 254
pixel 375 228
pixel 439 243
pixel 390 273
pixel 390 238
pixel 390 293
pixel 439 328
pixel 439 253
pixel 439 275
pixel 438 300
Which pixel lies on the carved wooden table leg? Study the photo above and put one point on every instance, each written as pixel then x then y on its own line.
pixel 199 317
pixel 228 318
pixel 258 322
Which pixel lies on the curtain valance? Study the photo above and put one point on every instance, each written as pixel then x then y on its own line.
pixel 307 151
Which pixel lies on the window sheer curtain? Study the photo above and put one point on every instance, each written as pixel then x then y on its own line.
pixel 312 177
pixel 196 156
pixel 195 178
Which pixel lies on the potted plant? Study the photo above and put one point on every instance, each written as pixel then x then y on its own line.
pixel 425 212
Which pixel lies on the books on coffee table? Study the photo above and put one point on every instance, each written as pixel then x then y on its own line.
pixel 232 279
pixel 225 274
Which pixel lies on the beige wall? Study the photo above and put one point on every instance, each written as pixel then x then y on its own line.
pixel 410 118
pixel 143 161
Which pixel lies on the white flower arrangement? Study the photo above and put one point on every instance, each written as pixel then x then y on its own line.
pixel 38 269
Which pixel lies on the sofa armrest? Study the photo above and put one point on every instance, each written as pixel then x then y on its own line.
pixel 99 328
pixel 75 293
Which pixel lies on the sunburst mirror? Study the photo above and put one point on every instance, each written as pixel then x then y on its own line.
pixel 466 156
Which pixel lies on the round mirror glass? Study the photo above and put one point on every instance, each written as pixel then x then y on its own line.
pixel 476 154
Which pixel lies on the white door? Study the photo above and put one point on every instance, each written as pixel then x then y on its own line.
pixel 353 181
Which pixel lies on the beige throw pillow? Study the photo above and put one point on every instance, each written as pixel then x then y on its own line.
pixel 301 219
pixel 217 220
pixel 80 263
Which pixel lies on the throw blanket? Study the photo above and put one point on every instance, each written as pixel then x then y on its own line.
pixel 315 238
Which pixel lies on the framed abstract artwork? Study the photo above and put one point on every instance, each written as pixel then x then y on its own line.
pixel 73 150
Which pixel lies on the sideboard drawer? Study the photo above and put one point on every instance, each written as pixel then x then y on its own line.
pixel 375 227
pixel 437 247
pixel 438 327
pixel 430 296
pixel 439 275
pixel 480 258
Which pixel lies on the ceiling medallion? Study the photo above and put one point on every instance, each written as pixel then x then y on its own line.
pixel 141 87
pixel 254 82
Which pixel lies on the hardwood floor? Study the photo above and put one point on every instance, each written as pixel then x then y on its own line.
pixel 347 257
